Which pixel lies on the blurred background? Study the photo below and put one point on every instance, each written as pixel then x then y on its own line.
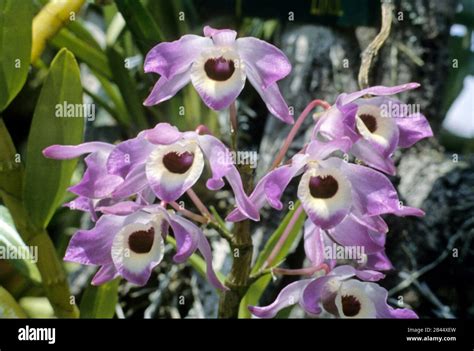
pixel 431 42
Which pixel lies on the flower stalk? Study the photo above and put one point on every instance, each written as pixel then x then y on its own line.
pixel 198 203
pixel 189 214
pixel 296 127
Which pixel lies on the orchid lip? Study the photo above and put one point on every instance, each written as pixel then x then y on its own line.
pixel 178 162
pixel 369 121
pixel 141 241
pixel 350 305
pixel 219 69
pixel 323 187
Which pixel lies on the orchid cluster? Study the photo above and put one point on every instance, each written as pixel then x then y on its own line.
pixel 131 189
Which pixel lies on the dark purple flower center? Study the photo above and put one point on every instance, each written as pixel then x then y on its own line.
pixel 178 163
pixel 369 121
pixel 141 241
pixel 219 69
pixel 323 187
pixel 350 305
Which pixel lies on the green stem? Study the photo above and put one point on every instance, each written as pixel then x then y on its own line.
pixel 234 124
pixel 53 277
pixel 238 279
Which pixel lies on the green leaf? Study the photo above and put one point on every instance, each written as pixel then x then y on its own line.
pixel 81 32
pixel 113 94
pixel 12 244
pixel 46 180
pixel 15 47
pixel 100 301
pixel 9 308
pixel 142 25
pixel 83 50
pixel 197 262
pixel 256 289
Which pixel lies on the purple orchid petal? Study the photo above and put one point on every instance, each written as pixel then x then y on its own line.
pixel 374 223
pixel 337 122
pixel 134 182
pixel 319 150
pixel 378 296
pixel 402 313
pixel 165 88
pixel 219 157
pixel 288 296
pixel 104 274
pixel 351 233
pixel 92 247
pixel 81 203
pixel 377 90
pixel 257 198
pixel 265 60
pixel 128 155
pixel 241 199
pixel 313 292
pixel 343 272
pixel 278 179
pixel 96 182
pixel 313 243
pixel 186 239
pixel 120 209
pixel 202 245
pixel 363 151
pixel 412 129
pixel 374 193
pixel 66 152
pixel 137 278
pixel 378 261
pixel 221 37
pixel 369 275
pixel 163 134
pixel 173 58
pixel 272 98
pixel 145 197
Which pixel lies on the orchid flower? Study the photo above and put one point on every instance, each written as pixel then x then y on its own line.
pixel 128 241
pixel 317 242
pixel 162 162
pixel 96 183
pixel 376 125
pixel 218 65
pixel 339 294
pixel 170 162
pixel 338 197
